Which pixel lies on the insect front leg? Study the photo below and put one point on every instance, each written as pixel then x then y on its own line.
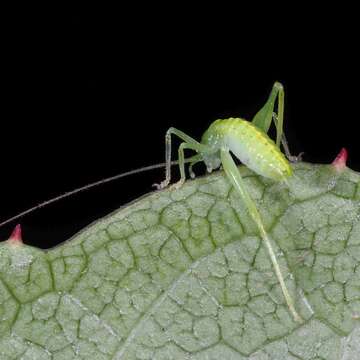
pixel 235 178
pixel 196 159
pixel 183 146
pixel 188 140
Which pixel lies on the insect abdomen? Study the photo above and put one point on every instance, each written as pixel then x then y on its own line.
pixel 253 148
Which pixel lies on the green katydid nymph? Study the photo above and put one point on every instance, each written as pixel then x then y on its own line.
pixel 249 142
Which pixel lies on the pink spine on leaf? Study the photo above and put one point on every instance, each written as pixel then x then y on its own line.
pixel 340 161
pixel 15 237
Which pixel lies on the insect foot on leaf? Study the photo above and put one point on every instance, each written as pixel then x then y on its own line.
pixel 162 185
pixel 177 185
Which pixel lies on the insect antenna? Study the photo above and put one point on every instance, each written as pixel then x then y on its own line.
pixel 87 187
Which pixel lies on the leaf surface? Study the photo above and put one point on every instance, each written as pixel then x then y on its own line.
pixel 183 275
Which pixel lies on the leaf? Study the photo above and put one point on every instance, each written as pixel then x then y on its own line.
pixel 183 275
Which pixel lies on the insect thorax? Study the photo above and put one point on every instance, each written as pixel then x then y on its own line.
pixel 214 137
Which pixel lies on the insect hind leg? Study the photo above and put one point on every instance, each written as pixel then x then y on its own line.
pixel 285 145
pixel 267 114
pixel 235 178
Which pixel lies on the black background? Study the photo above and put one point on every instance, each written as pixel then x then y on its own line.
pixel 90 93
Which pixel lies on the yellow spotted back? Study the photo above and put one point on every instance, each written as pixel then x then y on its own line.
pixel 250 145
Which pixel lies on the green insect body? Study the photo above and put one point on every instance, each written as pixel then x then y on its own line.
pixel 249 142
pixel 250 145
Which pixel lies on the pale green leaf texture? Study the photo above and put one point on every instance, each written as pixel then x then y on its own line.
pixel 183 275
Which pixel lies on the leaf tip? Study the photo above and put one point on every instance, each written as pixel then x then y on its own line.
pixel 16 237
pixel 339 162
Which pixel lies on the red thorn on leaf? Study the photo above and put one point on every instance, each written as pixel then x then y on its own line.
pixel 15 237
pixel 340 161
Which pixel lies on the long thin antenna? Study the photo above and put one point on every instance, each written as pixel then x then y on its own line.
pixel 86 187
